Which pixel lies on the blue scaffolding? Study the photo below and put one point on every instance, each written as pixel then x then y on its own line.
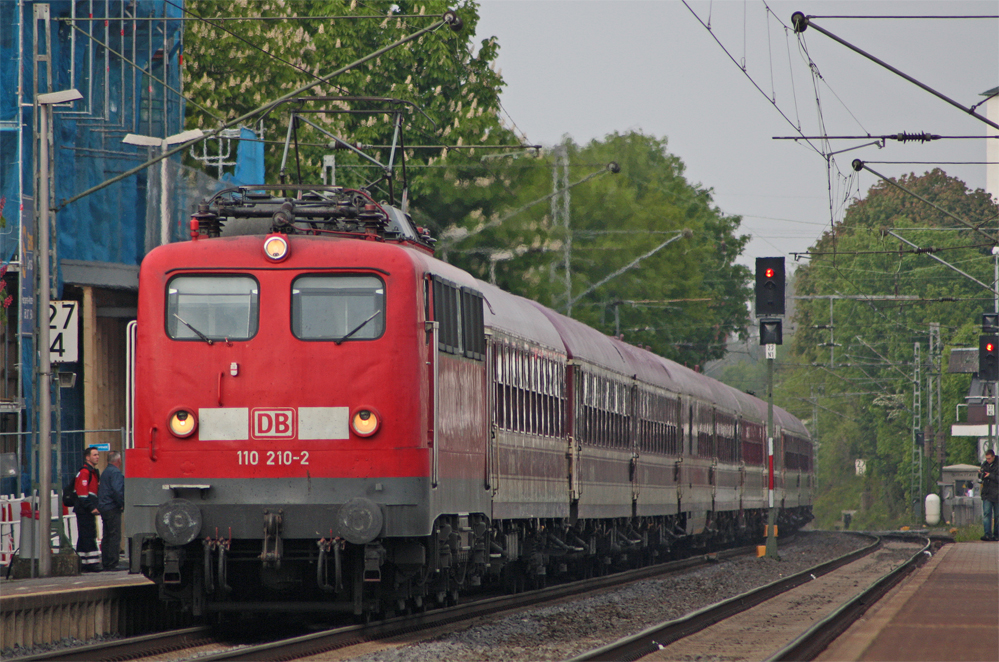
pixel 124 57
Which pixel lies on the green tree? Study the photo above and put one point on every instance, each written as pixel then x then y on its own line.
pixel 867 393
pixel 449 86
pixel 682 301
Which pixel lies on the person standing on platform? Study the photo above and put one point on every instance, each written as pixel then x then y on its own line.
pixel 87 485
pixel 989 475
pixel 111 503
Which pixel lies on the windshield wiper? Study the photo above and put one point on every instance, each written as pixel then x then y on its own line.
pixel 358 327
pixel 200 335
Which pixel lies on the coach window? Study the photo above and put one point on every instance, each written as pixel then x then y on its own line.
pixel 338 308
pixel 212 307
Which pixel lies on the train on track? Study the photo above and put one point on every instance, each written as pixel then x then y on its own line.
pixel 327 418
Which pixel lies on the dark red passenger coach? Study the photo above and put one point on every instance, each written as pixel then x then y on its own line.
pixel 327 418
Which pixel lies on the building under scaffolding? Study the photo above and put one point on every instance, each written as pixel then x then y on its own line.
pixel 124 58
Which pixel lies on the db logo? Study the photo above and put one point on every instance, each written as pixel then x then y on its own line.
pixel 273 423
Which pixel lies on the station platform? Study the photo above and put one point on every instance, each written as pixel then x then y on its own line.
pixel 45 610
pixel 83 581
pixel 946 610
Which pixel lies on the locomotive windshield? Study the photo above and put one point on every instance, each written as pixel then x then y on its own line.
pixel 212 307
pixel 334 307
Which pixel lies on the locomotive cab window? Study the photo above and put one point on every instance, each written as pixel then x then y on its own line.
pixel 338 308
pixel 212 307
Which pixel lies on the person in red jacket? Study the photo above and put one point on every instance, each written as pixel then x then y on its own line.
pixel 87 483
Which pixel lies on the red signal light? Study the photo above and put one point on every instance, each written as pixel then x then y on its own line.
pixel 989 347
pixel 769 273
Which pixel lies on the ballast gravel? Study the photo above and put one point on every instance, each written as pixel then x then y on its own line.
pixel 563 631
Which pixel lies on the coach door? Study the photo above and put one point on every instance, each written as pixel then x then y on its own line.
pixel 633 442
pixel 570 420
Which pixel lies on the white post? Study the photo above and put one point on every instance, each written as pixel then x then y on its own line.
pixel 44 364
pixel 44 369
pixel 164 200
pixel 995 386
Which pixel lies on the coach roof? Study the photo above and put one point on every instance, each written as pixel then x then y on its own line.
pixel 586 344
pixel 518 317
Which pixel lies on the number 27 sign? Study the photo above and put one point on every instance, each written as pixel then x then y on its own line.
pixel 64 331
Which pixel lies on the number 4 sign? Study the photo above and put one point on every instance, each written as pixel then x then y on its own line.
pixel 64 333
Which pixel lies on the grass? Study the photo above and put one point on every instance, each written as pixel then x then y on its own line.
pixel 968 533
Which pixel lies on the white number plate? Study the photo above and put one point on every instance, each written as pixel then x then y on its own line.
pixel 273 458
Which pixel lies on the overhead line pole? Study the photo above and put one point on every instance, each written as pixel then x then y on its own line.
pixel 448 242
pixel 916 470
pixel 802 22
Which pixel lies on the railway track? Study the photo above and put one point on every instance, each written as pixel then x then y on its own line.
pixel 427 624
pixel 766 623
pixel 130 648
pixel 181 644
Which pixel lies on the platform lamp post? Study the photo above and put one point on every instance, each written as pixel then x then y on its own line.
pixel 164 144
pixel 43 368
pixel 770 304
pixel 995 386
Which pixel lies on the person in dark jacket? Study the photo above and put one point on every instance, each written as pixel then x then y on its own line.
pixel 111 503
pixel 989 475
pixel 87 484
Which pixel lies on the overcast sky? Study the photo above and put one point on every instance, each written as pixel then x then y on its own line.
pixel 588 69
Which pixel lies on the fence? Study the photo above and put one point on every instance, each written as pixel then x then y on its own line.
pixel 14 509
pixel 68 451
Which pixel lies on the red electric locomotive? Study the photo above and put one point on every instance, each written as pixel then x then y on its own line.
pixel 327 418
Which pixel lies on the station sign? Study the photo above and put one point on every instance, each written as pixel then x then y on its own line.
pixel 64 331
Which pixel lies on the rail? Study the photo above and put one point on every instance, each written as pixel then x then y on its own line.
pixel 651 639
pixel 813 641
pixel 319 642
pixel 126 649
pixel 176 640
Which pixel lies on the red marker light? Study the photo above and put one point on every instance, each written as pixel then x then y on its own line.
pixel 989 347
pixel 769 273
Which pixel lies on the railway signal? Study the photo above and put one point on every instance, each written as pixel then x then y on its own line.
pixel 770 304
pixel 988 358
pixel 769 286
pixel 771 331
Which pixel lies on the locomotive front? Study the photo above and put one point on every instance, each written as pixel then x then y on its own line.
pixel 277 419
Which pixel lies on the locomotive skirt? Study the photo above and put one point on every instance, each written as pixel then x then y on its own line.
pixel 86 542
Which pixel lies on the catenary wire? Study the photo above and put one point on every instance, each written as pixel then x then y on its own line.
pixel 755 84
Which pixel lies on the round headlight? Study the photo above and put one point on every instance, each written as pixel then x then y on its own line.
pixel 276 247
pixel 365 422
pixel 182 423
